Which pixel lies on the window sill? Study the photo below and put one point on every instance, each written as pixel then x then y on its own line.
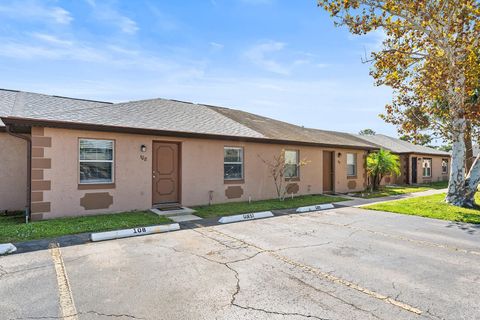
pixel 238 181
pixel 95 186
pixel 352 177
pixel 293 179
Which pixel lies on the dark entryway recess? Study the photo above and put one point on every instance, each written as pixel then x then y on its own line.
pixel 414 170
pixel 165 178
pixel 328 172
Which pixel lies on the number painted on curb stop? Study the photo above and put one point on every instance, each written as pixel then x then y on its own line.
pixel 139 230
pixel 248 216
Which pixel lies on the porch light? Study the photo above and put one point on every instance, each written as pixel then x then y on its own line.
pixel 339 154
pixel 143 148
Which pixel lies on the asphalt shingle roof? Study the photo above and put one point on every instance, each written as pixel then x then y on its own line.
pixel 399 146
pixel 279 130
pixel 167 115
pixel 28 105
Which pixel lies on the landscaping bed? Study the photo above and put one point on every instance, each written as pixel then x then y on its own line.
pixel 14 229
pixel 432 206
pixel 232 208
pixel 398 190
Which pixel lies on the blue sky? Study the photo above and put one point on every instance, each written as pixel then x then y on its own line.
pixel 278 58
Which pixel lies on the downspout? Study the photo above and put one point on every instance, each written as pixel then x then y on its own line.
pixel 29 169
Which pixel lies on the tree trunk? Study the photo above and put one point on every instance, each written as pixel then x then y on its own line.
pixel 468 146
pixel 456 185
pixel 471 183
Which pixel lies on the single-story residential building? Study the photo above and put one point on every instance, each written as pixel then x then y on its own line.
pixel 68 157
pixel 418 164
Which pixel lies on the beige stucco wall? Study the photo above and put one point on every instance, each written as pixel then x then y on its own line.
pixel 201 171
pixel 13 172
pixel 437 174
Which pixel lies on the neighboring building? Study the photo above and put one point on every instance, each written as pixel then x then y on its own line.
pixel 90 157
pixel 419 164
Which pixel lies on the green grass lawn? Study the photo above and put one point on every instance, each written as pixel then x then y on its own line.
pixel 431 207
pixel 397 190
pixel 14 229
pixel 232 208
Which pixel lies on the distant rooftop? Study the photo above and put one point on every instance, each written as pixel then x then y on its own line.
pixel 399 146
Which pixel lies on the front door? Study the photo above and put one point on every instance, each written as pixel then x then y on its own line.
pixel 165 172
pixel 328 177
pixel 414 170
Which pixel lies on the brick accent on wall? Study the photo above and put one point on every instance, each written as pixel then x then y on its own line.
pixel 39 165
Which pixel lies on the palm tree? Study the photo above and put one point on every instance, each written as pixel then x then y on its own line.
pixel 380 164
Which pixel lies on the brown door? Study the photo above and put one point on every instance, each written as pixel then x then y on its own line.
pixel 165 172
pixel 328 177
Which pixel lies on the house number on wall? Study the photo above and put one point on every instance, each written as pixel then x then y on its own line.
pixel 144 158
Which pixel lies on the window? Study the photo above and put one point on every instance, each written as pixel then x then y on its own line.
pixel 291 164
pixel 427 167
pixel 444 166
pixel 96 161
pixel 232 163
pixel 351 164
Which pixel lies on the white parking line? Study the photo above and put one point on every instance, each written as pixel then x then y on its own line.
pixel 67 305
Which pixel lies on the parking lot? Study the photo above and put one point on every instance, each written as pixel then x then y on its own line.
pixel 343 263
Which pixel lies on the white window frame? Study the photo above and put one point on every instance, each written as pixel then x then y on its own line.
pixel 424 167
pixel 445 167
pixel 354 164
pixel 296 164
pixel 97 161
pixel 234 162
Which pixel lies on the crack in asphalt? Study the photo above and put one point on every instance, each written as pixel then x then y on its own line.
pixel 304 246
pixel 66 317
pixel 327 276
pixel 334 296
pixel 237 278
pixel 112 315
pixel 280 313
pixel 4 272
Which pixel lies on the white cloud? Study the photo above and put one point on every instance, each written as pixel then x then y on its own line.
pixel 51 39
pixel 104 11
pixel 258 55
pixel 274 56
pixel 18 50
pixel 36 11
pixel 216 45
pixel 372 41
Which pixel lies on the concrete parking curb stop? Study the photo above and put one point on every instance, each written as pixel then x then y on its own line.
pixel 133 232
pixel 82 238
pixel 6 248
pixel 315 208
pixel 246 216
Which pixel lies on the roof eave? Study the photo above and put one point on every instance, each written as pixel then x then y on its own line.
pixel 425 153
pixel 144 131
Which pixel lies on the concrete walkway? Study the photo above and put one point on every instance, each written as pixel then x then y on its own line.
pixel 358 202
